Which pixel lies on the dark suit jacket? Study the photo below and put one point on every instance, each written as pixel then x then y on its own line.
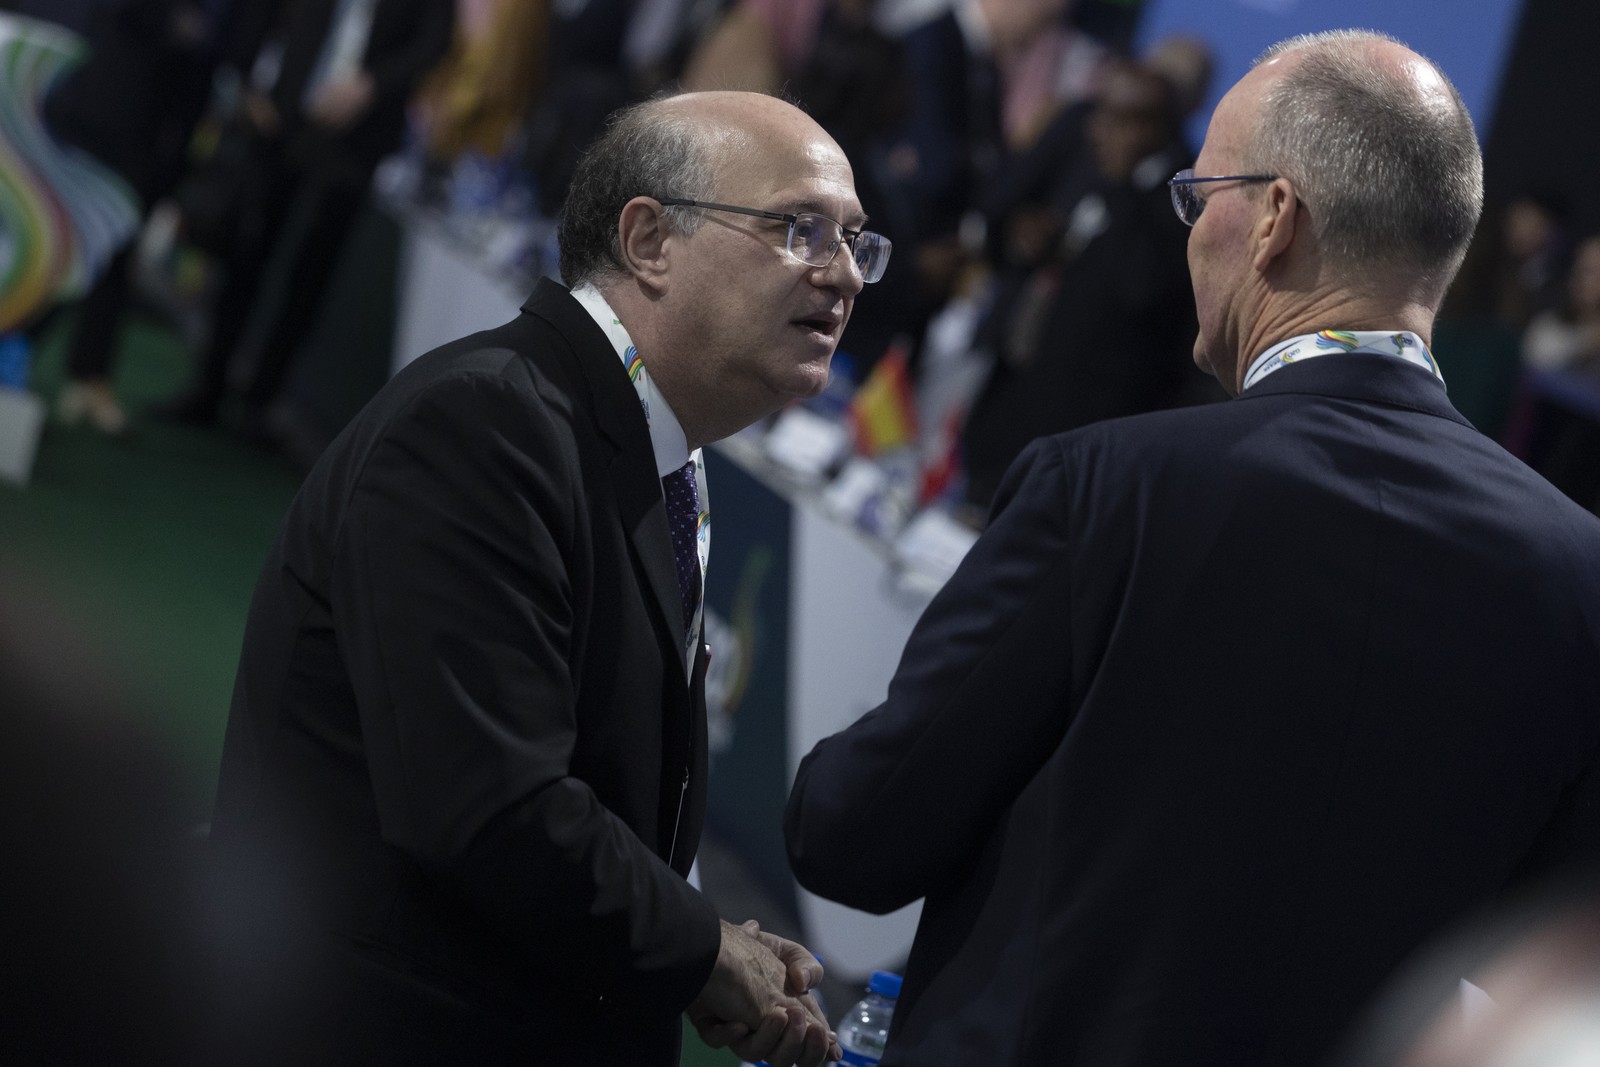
pixel 1228 710
pixel 463 750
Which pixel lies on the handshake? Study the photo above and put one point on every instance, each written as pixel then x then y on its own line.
pixel 758 1001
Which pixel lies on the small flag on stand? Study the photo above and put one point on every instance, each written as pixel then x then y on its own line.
pixel 883 413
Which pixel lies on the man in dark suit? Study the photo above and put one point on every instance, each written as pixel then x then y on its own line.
pixel 1233 707
pixel 317 128
pixel 465 768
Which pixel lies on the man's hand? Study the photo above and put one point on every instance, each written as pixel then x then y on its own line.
pixel 342 101
pixel 758 1002
pixel 803 971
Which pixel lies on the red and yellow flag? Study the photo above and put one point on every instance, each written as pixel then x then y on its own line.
pixel 883 413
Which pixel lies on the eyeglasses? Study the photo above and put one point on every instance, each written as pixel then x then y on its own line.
pixel 1189 204
pixel 814 239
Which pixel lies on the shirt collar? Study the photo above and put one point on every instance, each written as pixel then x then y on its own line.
pixel 667 439
pixel 1396 344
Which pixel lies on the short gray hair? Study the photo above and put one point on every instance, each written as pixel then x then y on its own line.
pixel 1393 178
pixel 645 150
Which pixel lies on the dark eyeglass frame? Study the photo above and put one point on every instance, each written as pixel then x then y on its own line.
pixel 846 236
pixel 1189 204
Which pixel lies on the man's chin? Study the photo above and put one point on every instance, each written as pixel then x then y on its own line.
pixel 812 377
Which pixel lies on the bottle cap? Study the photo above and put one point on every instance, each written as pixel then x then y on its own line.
pixel 884 984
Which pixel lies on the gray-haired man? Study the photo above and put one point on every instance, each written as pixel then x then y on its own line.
pixel 1232 708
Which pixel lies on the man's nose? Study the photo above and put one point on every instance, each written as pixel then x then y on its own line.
pixel 842 273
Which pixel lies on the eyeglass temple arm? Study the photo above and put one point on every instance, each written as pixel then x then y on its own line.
pixel 674 201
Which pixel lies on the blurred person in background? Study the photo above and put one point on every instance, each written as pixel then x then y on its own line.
pixel 1024 205
pixel 328 87
pixel 1232 708
pixel 133 104
pixel 1101 273
pixel 477 98
pixel 985 77
pixel 1569 336
pixel 1536 248
pixel 1558 424
pixel 466 757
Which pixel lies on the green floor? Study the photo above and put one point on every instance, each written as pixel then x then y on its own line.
pixel 147 546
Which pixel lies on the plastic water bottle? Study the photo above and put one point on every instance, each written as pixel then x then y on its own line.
pixel 865 1027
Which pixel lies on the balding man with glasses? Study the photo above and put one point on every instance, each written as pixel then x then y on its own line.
pixel 465 768
pixel 1233 708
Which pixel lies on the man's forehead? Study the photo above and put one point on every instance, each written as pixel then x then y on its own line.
pixel 813 175
pixel 835 201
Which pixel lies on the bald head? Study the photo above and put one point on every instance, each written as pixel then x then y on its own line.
pixel 1380 149
pixel 668 147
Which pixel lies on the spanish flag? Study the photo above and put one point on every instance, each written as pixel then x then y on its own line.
pixel 883 413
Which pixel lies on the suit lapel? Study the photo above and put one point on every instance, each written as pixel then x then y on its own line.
pixel 620 422
pixel 645 517
pixel 620 419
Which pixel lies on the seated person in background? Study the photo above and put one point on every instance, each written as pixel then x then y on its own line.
pixel 1232 708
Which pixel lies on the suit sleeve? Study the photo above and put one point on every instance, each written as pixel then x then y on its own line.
pixel 453 600
pixel 981 698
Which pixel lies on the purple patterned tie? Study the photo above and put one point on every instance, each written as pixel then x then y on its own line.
pixel 683 518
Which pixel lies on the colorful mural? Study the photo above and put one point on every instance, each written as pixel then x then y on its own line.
pixel 62 213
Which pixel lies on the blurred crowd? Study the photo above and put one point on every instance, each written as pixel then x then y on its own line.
pixel 1541 279
pixel 1016 152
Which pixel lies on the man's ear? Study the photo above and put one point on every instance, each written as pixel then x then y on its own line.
pixel 642 235
pixel 1275 229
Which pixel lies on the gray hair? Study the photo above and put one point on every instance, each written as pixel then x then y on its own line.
pixel 1392 177
pixel 645 150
